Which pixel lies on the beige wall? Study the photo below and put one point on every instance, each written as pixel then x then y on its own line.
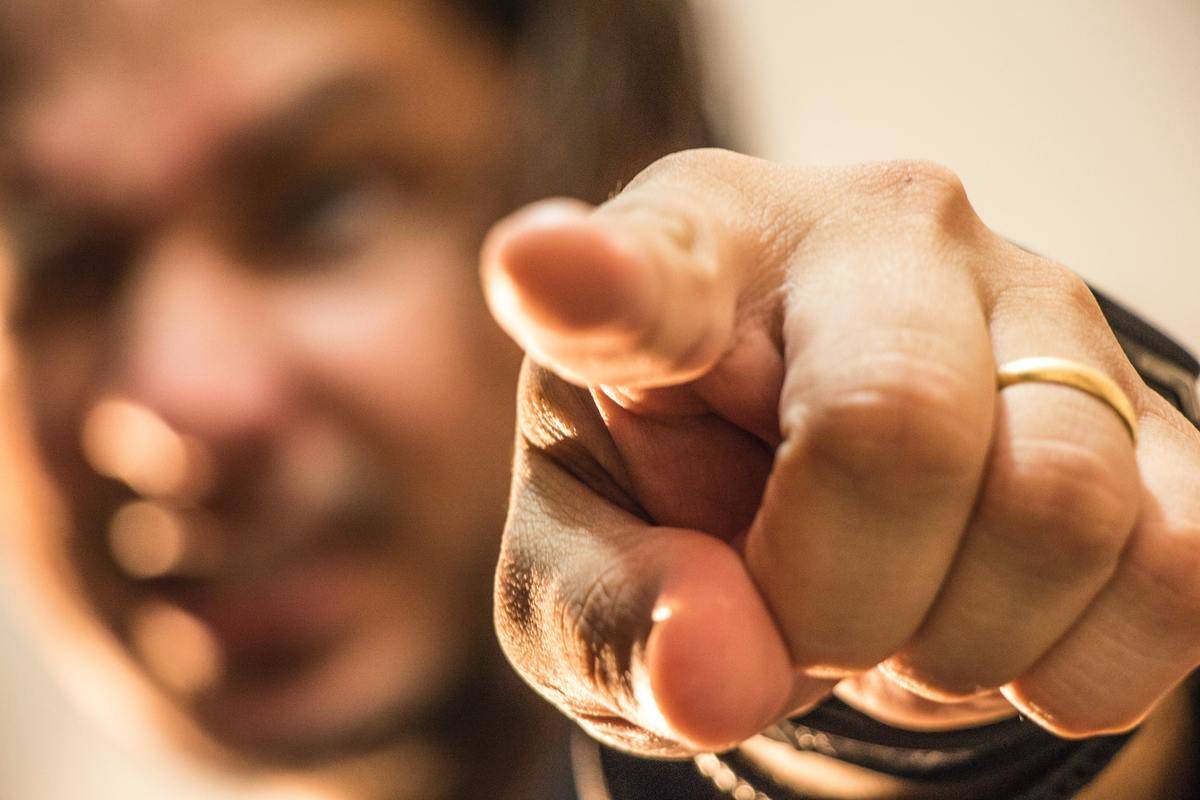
pixel 1075 124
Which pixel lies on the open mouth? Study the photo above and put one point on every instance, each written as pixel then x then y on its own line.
pixel 255 626
pixel 306 601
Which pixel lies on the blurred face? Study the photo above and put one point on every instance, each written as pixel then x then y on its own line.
pixel 254 353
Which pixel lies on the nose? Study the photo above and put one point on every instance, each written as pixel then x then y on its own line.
pixel 197 347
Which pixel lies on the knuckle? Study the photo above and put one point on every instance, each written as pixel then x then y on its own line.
pixel 547 406
pixel 1169 569
pixel 1053 289
pixel 1071 289
pixel 1058 288
pixel 927 178
pixel 525 633
pixel 910 419
pixel 1062 501
pixel 684 164
pixel 524 599
pixel 516 590
pixel 923 194
pixel 601 624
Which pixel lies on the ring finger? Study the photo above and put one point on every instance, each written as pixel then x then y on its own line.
pixel 1058 502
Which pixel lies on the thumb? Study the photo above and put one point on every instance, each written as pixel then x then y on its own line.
pixel 716 666
pixel 654 639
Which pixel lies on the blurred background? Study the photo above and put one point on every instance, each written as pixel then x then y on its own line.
pixel 1074 125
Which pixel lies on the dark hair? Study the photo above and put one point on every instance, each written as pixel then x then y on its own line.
pixel 502 16
pixel 611 86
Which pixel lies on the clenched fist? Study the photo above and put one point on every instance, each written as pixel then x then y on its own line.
pixel 762 454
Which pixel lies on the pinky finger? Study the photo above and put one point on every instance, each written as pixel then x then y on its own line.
pixel 1141 636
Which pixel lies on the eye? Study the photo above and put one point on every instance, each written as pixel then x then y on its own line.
pixel 81 276
pixel 329 216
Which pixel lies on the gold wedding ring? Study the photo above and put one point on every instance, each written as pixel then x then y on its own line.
pixel 1071 373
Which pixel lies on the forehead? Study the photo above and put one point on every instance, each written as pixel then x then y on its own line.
pixel 124 98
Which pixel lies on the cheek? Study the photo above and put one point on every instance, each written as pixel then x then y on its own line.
pixel 60 543
pixel 403 345
pixel 59 377
pixel 410 350
pixel 406 348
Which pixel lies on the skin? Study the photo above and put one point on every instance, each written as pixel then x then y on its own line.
pixel 277 266
pixel 762 455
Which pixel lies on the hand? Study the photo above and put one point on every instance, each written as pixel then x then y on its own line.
pixel 761 452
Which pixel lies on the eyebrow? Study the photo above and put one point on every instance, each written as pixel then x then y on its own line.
pixel 38 225
pixel 319 107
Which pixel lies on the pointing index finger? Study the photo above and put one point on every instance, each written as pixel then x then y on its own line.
pixel 640 292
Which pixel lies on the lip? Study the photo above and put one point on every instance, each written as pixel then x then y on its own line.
pixel 302 604
pixel 292 584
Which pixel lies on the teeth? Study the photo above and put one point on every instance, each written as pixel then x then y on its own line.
pixel 130 443
pixel 147 540
pixel 150 540
pixel 176 647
